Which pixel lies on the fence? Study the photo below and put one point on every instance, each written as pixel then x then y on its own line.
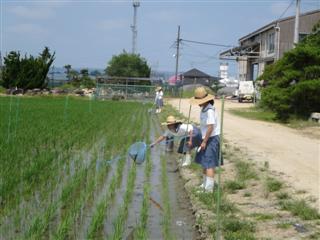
pixel 118 91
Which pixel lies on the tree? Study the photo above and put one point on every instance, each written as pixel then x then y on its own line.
pixel 85 80
pixel 294 81
pixel 68 68
pixel 128 65
pixel 95 73
pixel 27 72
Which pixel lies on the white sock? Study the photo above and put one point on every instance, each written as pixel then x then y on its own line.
pixel 209 183
pixel 188 158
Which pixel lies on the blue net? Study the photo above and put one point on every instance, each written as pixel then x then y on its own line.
pixel 137 152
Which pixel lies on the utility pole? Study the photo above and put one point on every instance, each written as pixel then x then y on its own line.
pixel 1 61
pixel 296 23
pixel 1 66
pixel 136 4
pixel 177 63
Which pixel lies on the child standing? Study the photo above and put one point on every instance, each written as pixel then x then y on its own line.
pixel 159 99
pixel 191 137
pixel 208 154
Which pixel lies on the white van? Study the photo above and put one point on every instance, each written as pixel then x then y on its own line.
pixel 246 91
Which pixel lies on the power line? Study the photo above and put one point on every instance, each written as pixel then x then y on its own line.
pixel 206 43
pixel 284 12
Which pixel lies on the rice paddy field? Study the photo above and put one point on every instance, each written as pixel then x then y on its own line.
pixel 65 172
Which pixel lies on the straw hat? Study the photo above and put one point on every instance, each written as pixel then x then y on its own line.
pixel 201 96
pixel 171 120
pixel 158 89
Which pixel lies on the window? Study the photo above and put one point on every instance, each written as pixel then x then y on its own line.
pixel 270 42
pixel 302 36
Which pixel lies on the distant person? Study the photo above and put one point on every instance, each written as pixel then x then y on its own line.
pixel 208 153
pixel 159 99
pixel 190 137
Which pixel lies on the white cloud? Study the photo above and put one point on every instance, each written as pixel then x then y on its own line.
pixel 28 29
pixel 113 24
pixel 33 12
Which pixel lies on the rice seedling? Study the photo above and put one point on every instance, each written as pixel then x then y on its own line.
pixel 97 221
pixel 42 141
pixel 123 213
pixel 166 221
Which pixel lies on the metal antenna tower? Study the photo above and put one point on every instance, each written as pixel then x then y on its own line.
pixel 136 4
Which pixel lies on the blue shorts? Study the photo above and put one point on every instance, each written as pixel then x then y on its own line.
pixel 209 158
pixel 196 141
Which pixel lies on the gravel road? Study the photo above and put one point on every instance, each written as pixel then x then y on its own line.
pixel 293 155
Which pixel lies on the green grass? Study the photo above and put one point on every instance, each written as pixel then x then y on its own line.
pixel 300 208
pixel 257 113
pixel 247 194
pixel 262 216
pixel 273 185
pixel 210 199
pixel 254 113
pixel 234 228
pixel 232 185
pixel 284 225
pixel 245 171
pixel 282 195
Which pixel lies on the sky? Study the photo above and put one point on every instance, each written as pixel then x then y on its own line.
pixel 87 33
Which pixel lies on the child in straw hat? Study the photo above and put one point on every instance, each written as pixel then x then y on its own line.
pixel 208 153
pixel 191 137
pixel 159 99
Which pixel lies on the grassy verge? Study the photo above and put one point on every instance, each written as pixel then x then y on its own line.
pixel 256 113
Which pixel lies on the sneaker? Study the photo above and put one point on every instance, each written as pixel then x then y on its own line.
pixel 187 160
pixel 203 184
pixel 208 190
pixel 209 184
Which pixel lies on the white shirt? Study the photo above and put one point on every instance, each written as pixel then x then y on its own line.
pixel 183 130
pixel 208 115
pixel 159 95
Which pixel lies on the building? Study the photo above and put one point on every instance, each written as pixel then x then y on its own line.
pixel 195 76
pixel 267 44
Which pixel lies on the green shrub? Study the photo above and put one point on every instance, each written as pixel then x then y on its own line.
pixel 2 90
pixel 294 80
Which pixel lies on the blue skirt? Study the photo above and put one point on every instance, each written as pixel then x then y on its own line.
pixel 159 103
pixel 209 158
pixel 196 141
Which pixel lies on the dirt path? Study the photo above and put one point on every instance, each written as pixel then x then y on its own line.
pixel 295 156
